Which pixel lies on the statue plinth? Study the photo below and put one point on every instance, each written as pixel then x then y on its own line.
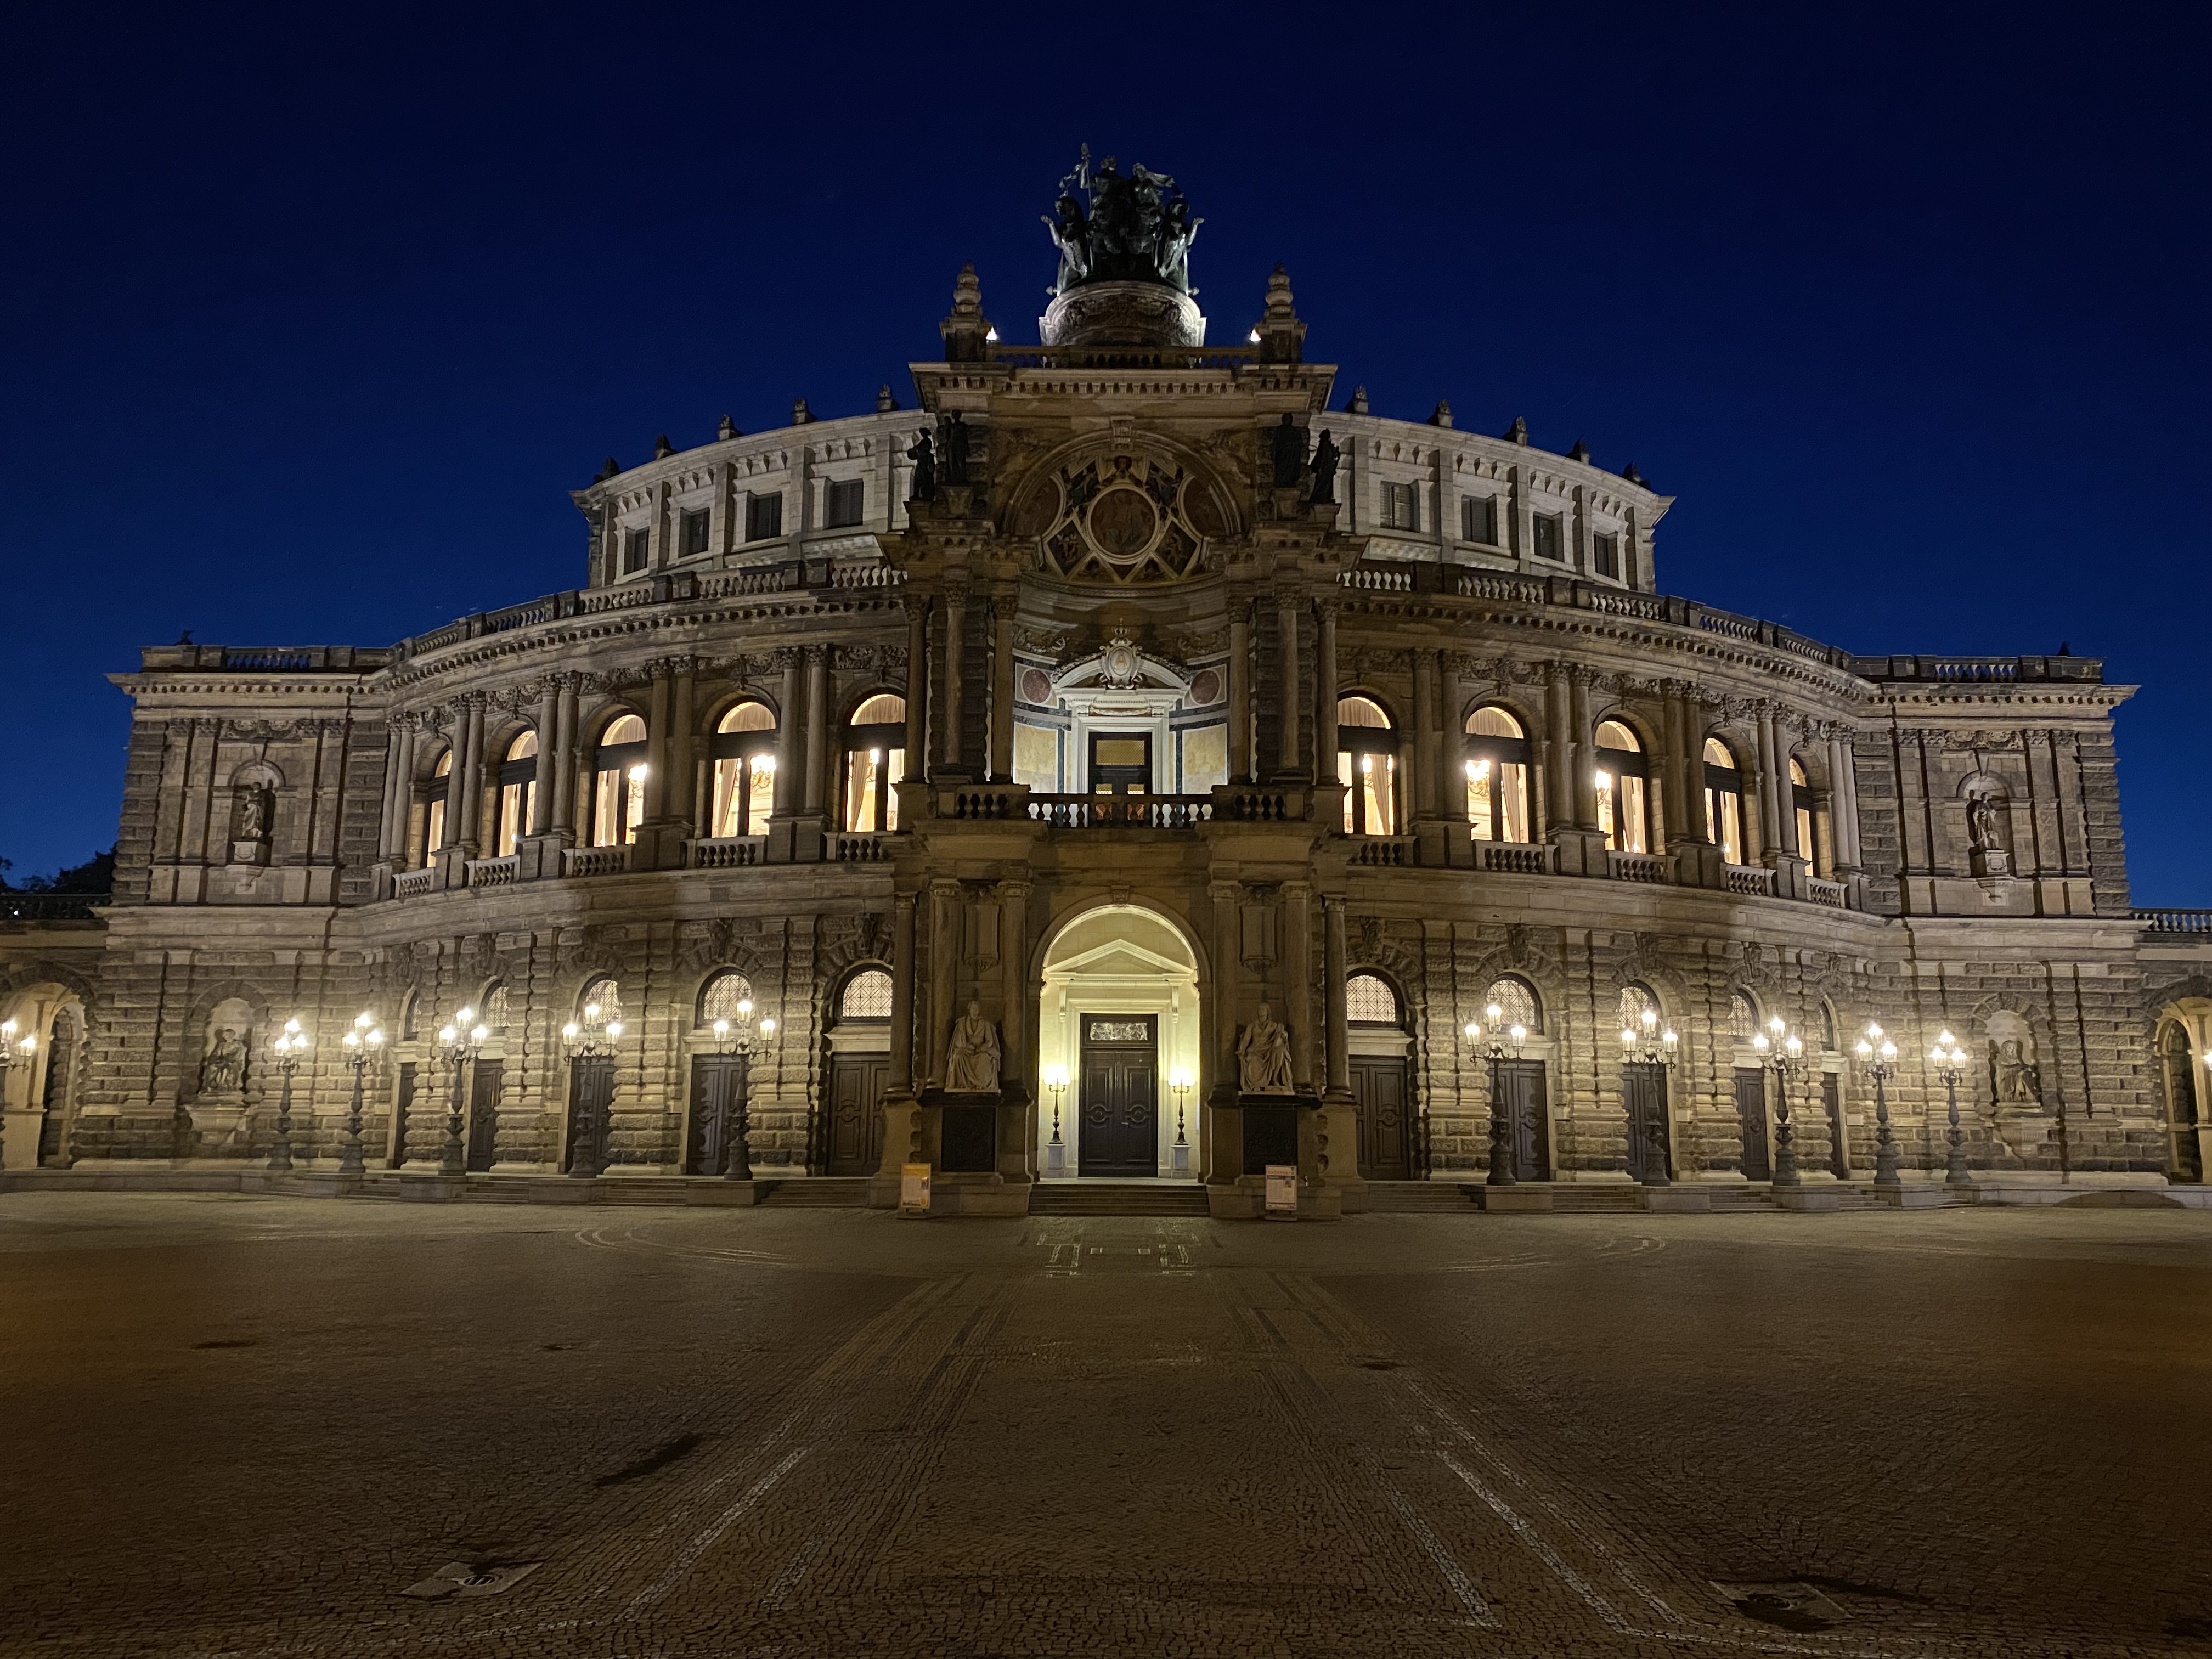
pixel 1123 314
pixel 219 1123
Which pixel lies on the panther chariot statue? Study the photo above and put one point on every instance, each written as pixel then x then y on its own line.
pixel 1124 242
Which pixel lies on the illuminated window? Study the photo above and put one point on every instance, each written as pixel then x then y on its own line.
pixel 618 783
pixel 1801 803
pixel 1635 1002
pixel 1514 998
pixel 867 996
pixel 1723 800
pixel 518 793
pixel 744 750
pixel 1622 775
pixel 719 997
pixel 492 1015
pixel 1367 767
pixel 875 760
pixel 1743 1017
pixel 434 814
pixel 1497 777
pixel 1369 1000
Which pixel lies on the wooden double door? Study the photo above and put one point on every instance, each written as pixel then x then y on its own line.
pixel 487 1086
pixel 1643 1092
pixel 1518 1091
pixel 853 1127
pixel 1751 1119
pixel 1117 1113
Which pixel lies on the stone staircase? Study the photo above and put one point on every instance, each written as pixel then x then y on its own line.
pixel 1608 1198
pixel 1118 1197
pixel 818 1193
pixel 1409 1197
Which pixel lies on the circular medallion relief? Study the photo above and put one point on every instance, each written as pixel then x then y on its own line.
pixel 1037 686
pixel 1205 689
pixel 1123 523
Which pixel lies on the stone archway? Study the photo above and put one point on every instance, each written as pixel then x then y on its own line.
pixel 1117 1027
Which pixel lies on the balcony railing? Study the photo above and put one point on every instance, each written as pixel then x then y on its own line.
pixel 1752 882
pixel 1655 868
pixel 860 849
pixel 594 860
pixel 411 884
pixel 2175 921
pixel 727 851
pixel 1518 858
pixel 1830 893
pixel 495 872
pixel 1121 812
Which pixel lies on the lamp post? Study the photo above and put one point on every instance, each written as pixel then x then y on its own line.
pixel 1649 1044
pixel 592 1037
pixel 456 1045
pixel 1782 1054
pixel 14 1051
pixel 738 1156
pixel 364 1048
pixel 1949 1061
pixel 1055 1153
pixel 1878 1059
pixel 287 1046
pixel 1496 1049
pixel 1179 1160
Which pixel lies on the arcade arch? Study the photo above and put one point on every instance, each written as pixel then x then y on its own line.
pixel 1118 1026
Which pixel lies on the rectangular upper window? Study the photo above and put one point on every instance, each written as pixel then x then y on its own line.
pixel 1550 539
pixel 695 533
pixel 842 502
pixel 1478 519
pixel 637 547
pixel 763 516
pixel 1401 507
pixel 1604 554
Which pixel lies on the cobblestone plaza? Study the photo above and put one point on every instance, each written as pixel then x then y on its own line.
pixel 247 1426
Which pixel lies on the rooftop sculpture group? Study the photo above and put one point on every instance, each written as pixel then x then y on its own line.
pixel 1135 229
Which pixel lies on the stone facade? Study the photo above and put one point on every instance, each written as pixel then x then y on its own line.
pixel 1074 545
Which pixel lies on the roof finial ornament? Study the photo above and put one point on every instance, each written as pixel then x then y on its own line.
pixel 662 449
pixel 1279 335
pixel 967 329
pixel 1358 403
pixel 1630 473
pixel 800 414
pixel 607 471
pixel 727 430
pixel 1579 453
pixel 1441 414
pixel 884 402
pixel 1518 433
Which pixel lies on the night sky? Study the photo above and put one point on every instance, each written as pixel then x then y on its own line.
pixel 311 319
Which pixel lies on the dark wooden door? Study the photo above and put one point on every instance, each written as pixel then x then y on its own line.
pixel 1521 1092
pixel 1117 1115
pixel 1831 1097
pixel 403 1103
pixel 2181 1107
pixel 1644 1091
pixel 486 1086
pixel 718 1083
pixel 855 1130
pixel 54 1104
pixel 1751 1115
pixel 1386 1128
pixel 591 1092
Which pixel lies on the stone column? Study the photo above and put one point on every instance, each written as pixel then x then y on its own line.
pixel 1420 749
pixel 917 688
pixel 1018 1157
pixel 1843 814
pixel 549 754
pixel 900 1127
pixel 956 608
pixel 1325 691
pixel 660 716
pixel 1002 687
pixel 565 762
pixel 944 930
pixel 1584 738
pixel 1297 959
pixel 1559 769
pixel 1286 635
pixel 814 789
pixel 679 800
pixel 1221 1143
pixel 1335 970
pixel 464 792
pixel 1774 821
pixel 1240 691
pixel 788 733
pixel 399 790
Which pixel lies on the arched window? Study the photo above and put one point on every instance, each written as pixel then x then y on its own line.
pixel 1497 777
pixel 1516 1001
pixel 492 1014
pixel 1622 794
pixel 1827 1029
pixel 867 996
pixel 875 759
pixel 1743 1017
pixel 1723 800
pixel 1367 767
pixel 409 1005
pixel 434 809
pixel 618 783
pixel 1635 1001
pixel 1369 1000
pixel 518 793
pixel 603 994
pixel 1801 802
pixel 745 771
pixel 719 999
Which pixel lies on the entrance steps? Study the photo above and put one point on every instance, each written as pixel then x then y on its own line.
pixel 1407 1197
pixel 1118 1197
pixel 1611 1198
pixel 818 1193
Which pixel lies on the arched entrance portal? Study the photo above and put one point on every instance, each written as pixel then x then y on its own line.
pixel 1118 1022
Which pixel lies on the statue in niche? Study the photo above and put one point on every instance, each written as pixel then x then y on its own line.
pixel 924 457
pixel 2014 1078
pixel 955 460
pixel 253 805
pixel 1263 1057
pixel 224 1070
pixel 1986 852
pixel 971 1061
pixel 1324 469
pixel 1288 451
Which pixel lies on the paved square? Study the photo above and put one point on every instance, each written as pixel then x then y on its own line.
pixel 249 1426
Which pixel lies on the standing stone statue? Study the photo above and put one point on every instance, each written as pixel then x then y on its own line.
pixel 253 813
pixel 1324 468
pixel 1288 451
pixel 972 1063
pixel 1982 827
pixel 1263 1057
pixel 924 457
pixel 956 450
pixel 223 1070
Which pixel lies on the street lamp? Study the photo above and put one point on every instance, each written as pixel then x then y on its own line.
pixel 1056 1154
pixel 1878 1059
pixel 456 1044
pixel 1180 1081
pixel 287 1046
pixel 364 1048
pixel 737 1162
pixel 589 1038
pixel 1500 1046
pixel 14 1051
pixel 1783 1053
pixel 1949 1061
pixel 1649 1044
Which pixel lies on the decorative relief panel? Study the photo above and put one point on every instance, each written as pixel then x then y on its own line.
pixel 1125 516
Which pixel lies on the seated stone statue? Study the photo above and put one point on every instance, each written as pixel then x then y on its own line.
pixel 223 1070
pixel 971 1061
pixel 1263 1057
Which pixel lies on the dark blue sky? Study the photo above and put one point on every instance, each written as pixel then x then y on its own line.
pixel 308 326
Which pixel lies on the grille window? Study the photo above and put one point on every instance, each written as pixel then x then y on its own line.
pixel 720 998
pixel 1516 1003
pixel 867 996
pixel 1369 1002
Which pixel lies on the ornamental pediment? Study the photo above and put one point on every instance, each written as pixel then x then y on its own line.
pixel 1126 510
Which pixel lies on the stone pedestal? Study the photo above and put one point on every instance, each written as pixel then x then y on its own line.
pixel 1123 314
pixel 222 1125
pixel 1580 852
